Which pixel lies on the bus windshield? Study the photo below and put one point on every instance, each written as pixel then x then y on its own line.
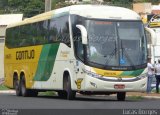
pixel 116 43
pixel 111 44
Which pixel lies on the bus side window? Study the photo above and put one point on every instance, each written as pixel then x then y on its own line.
pixel 80 50
pixel 77 38
pixel 59 30
pixel 41 32
pixel 78 44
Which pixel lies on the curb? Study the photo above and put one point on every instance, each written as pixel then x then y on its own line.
pixel 143 96
pixel 151 97
pixel 7 91
pixel 146 97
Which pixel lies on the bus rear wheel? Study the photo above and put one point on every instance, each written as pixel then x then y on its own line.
pixel 70 95
pixel 24 90
pixel 27 92
pixel 16 84
pixel 121 96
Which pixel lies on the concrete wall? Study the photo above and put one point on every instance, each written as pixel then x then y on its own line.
pixel 2 31
pixel 142 8
pixel 2 34
pixel 1 58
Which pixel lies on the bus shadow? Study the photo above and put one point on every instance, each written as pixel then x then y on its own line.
pixel 91 98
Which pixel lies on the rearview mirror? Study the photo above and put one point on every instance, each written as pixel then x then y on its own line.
pixel 83 33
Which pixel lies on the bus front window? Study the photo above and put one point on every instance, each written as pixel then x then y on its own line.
pixel 102 42
pixel 116 43
pixel 132 43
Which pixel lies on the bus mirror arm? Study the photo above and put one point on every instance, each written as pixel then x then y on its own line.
pixel 83 33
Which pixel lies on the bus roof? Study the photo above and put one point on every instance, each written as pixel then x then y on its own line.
pixel 89 11
pixel 105 12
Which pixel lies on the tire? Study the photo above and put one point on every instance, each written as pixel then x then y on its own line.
pixel 27 92
pixel 70 95
pixel 121 96
pixel 17 87
pixel 24 90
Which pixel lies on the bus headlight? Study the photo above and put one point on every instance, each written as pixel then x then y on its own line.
pixel 93 74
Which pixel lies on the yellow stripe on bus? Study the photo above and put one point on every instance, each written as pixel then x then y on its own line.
pixel 107 73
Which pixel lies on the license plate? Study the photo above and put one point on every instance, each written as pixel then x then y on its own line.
pixel 119 86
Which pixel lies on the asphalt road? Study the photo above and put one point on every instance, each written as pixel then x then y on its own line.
pixel 81 102
pixel 10 104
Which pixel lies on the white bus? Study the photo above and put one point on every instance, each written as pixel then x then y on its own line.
pixel 80 48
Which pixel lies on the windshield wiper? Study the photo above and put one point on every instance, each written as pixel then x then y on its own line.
pixel 128 58
pixel 111 55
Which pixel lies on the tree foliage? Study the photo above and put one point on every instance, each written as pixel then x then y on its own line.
pixel 118 1
pixel 122 3
pixel 152 1
pixel 28 7
pixel 59 4
pixel 33 7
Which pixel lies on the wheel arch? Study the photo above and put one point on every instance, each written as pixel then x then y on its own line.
pixel 22 74
pixel 68 72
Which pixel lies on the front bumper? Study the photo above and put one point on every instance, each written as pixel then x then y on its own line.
pixel 95 84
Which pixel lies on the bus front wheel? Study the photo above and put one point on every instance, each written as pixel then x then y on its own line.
pixel 67 87
pixel 121 96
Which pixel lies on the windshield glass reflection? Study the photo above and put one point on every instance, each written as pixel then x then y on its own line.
pixel 116 43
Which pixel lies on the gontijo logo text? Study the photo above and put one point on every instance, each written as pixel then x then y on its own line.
pixel 26 54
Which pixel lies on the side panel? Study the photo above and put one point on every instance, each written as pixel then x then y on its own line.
pixel 18 60
pixel 64 61
pixel 43 65
pixel 46 62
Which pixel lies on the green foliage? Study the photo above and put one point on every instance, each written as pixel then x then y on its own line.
pixel 121 3
pixel 28 7
pixel 152 1
pixel 3 3
pixel 155 1
pixel 33 7
pixel 2 87
pixel 47 93
pixel 135 97
pixel 59 4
